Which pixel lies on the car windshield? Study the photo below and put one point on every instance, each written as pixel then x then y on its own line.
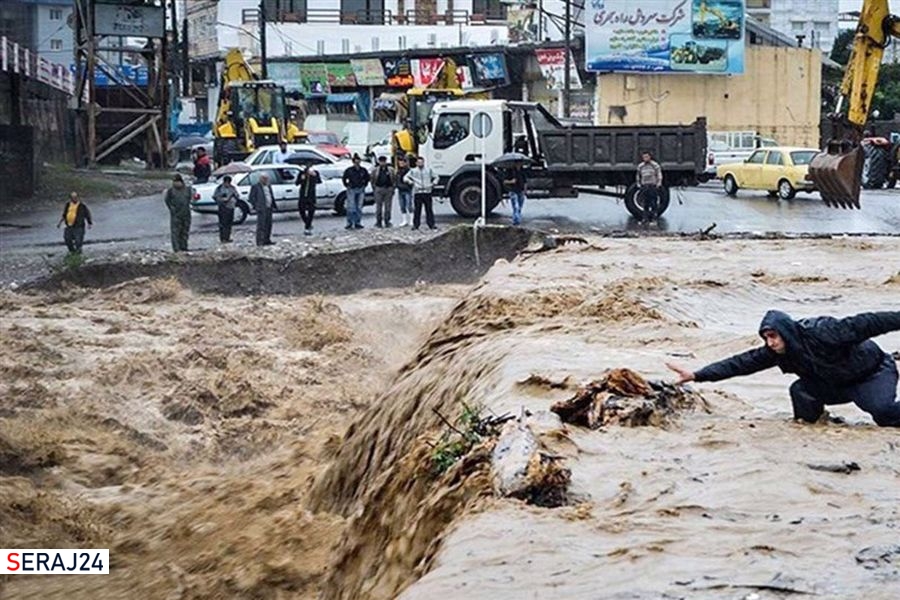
pixel 324 137
pixel 803 157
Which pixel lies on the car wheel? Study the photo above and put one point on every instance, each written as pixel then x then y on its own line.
pixel 241 211
pixel 731 186
pixel 340 204
pixel 635 205
pixel 785 190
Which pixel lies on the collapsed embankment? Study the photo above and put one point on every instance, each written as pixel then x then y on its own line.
pixel 458 256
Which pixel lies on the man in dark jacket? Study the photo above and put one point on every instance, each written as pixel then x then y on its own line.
pixel 836 361
pixel 356 178
pixel 307 181
pixel 515 182
pixel 383 180
pixel 74 215
pixel 178 201
pixel 202 166
pixel 262 198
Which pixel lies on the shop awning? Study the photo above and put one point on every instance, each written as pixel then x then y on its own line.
pixel 347 98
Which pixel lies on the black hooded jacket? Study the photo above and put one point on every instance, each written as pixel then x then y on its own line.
pixel 834 351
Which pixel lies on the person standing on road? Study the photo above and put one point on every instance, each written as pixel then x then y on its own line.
pixel 355 179
pixel 649 179
pixel 307 181
pixel 226 197
pixel 515 183
pixel 280 156
pixel 75 214
pixel 383 180
pixel 404 190
pixel 202 166
pixel 178 201
pixel 263 201
pixel 836 361
pixel 423 180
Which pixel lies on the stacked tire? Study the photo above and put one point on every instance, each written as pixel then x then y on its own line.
pixel 877 159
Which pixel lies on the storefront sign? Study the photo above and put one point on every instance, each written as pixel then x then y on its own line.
pixel 286 75
pixel 314 79
pixel 665 36
pixel 130 20
pixel 553 67
pixel 368 71
pixel 398 72
pixel 340 75
pixel 489 70
pixel 425 70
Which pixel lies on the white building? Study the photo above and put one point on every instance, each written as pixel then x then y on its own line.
pixel 815 20
pixel 41 26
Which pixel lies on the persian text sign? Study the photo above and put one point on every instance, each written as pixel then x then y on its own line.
pixel 665 36
pixel 128 20
pixel 553 67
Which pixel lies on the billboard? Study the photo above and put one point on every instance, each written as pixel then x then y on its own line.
pixel 665 36
pixel 553 67
pixel 129 20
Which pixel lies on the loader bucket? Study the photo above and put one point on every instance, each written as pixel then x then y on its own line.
pixel 837 174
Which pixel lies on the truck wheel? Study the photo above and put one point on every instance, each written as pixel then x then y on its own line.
pixel 241 210
pixel 785 190
pixel 635 205
pixel 731 186
pixel 466 197
pixel 340 204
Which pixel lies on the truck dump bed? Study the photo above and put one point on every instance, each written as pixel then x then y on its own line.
pixel 612 152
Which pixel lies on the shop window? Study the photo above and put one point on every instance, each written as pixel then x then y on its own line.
pixel 490 10
pixel 364 12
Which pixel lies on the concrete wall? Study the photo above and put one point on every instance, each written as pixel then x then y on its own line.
pixel 778 96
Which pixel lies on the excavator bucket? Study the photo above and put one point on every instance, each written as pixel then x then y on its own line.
pixel 837 174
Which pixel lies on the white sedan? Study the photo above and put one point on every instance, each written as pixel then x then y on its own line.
pixel 329 194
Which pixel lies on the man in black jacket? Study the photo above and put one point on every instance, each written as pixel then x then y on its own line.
pixel 836 361
pixel 307 181
pixel 356 178
pixel 74 215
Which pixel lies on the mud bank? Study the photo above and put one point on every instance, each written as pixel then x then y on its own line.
pixel 447 258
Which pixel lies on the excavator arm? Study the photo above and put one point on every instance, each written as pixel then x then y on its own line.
pixel 837 171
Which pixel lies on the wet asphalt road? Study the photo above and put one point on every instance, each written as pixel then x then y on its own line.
pixel 142 223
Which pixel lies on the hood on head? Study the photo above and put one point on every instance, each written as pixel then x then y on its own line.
pixel 784 325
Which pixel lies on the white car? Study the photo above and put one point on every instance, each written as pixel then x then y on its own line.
pixel 329 194
pixel 307 155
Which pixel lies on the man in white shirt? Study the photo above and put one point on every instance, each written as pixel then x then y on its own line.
pixel 281 155
pixel 423 180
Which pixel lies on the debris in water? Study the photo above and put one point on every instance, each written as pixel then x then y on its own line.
pixel 511 457
pixel 623 397
pixel 844 467
pixel 875 557
pixel 546 382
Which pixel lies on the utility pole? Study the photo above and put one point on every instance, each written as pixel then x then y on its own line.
pixel 568 61
pixel 262 40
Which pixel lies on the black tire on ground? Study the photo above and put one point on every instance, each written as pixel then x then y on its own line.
pixel 785 190
pixel 876 166
pixel 340 204
pixel 465 197
pixel 636 207
pixel 241 210
pixel 731 186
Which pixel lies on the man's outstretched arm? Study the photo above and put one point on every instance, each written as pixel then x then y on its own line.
pixel 745 363
pixel 858 328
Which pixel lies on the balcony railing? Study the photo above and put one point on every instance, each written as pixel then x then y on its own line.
pixel 19 59
pixel 385 17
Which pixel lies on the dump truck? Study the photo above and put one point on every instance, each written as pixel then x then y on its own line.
pixel 563 161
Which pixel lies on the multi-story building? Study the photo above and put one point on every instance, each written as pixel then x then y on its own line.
pixel 40 25
pixel 813 21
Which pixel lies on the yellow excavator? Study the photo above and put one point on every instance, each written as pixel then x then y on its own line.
pixel 837 171
pixel 251 112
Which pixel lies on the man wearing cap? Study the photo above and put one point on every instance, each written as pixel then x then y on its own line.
pixel 355 179
pixel 178 201
pixel 835 361
pixel 383 180
pixel 226 197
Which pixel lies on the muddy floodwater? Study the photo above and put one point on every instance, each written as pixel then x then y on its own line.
pixel 287 446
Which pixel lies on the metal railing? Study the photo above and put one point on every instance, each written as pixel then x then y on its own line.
pixel 384 17
pixel 15 58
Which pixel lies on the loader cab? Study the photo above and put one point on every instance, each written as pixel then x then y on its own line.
pixel 257 108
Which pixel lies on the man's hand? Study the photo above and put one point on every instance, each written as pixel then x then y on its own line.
pixel 683 374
